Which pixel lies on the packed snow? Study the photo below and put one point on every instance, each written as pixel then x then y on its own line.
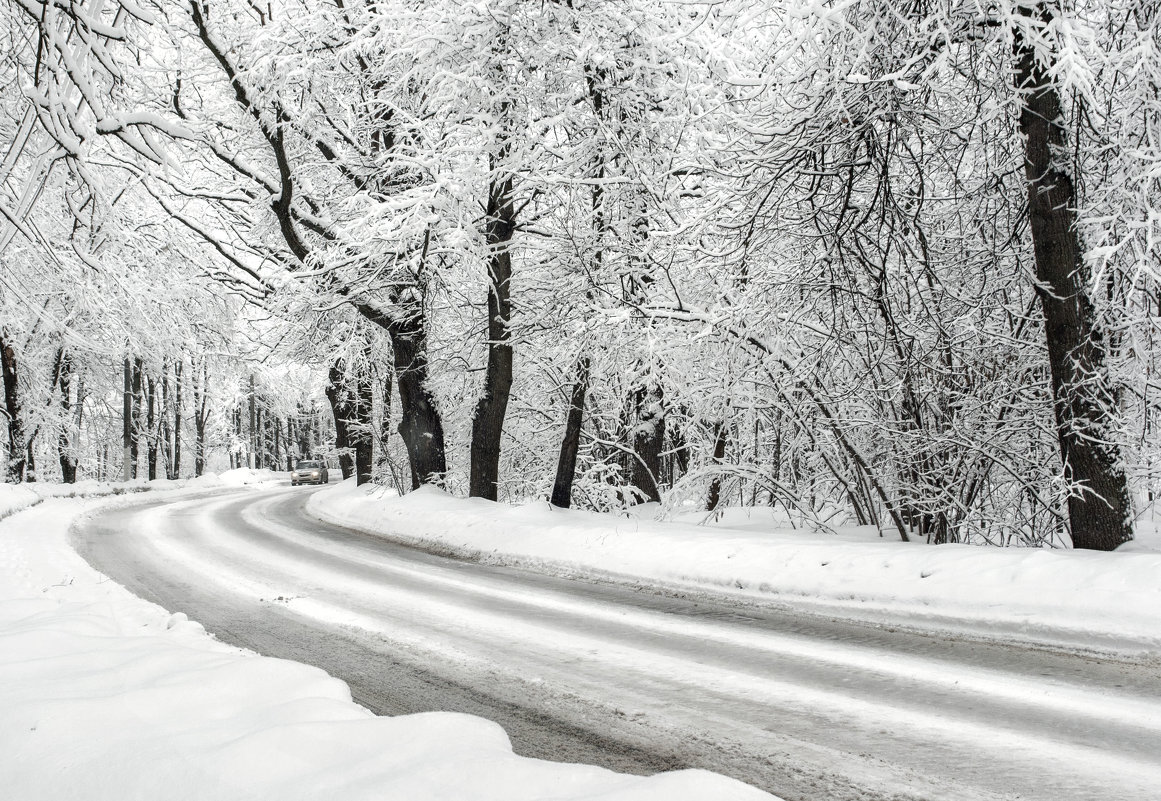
pixel 107 696
pixel 1086 599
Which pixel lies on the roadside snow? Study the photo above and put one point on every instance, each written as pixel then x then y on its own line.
pixel 106 697
pixel 15 497
pixel 1076 598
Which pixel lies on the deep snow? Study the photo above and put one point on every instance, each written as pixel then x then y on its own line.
pixel 106 696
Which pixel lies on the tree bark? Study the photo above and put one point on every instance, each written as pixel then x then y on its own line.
pixel 276 461
pixel 341 407
pixel 361 431
pixel 64 376
pixel 715 488
pixel 151 426
pixel 127 421
pixel 14 468
pixel 166 428
pixel 291 443
pixel 648 442
pixel 386 384
pixel 236 460
pixel 200 402
pixel 1099 511
pixel 136 444
pixel 570 444
pixel 30 458
pixel 177 401
pixel 252 457
pixel 488 420
pixel 420 424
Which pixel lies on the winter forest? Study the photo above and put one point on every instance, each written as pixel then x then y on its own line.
pixel 874 262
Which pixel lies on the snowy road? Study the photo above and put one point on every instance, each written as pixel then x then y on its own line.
pixel 803 706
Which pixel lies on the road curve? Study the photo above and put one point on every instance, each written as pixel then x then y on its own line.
pixel 806 707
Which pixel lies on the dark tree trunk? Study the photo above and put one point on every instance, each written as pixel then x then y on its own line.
pixel 291 442
pixel 136 445
pixel 341 408
pixel 252 457
pixel 177 401
pixel 127 421
pixel 166 428
pixel 570 444
pixel 386 385
pixel 276 461
pixel 151 426
pixel 200 410
pixel 64 450
pixel 420 424
pixel 649 442
pixel 488 420
pixel 238 435
pixel 259 438
pixel 1099 513
pixel 30 459
pixel 715 488
pixel 361 431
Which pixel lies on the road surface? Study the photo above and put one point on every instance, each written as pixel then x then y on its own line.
pixel 806 707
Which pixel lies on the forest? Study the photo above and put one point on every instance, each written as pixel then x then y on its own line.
pixel 888 263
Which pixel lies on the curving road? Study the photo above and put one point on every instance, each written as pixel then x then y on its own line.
pixel 803 706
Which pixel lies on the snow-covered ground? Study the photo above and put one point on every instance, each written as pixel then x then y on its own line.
pixel 106 696
pixel 1100 601
pixel 15 497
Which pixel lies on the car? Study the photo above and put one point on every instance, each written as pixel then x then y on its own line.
pixel 309 471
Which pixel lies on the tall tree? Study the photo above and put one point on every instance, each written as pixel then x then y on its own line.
pixel 1099 512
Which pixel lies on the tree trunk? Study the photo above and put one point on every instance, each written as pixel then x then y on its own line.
pixel 341 407
pixel 361 432
pixel 199 389
pixel 151 426
pixel 570 444
pixel 420 424
pixel 715 488
pixel 166 428
pixel 177 401
pixel 648 442
pixel 127 421
pixel 488 420
pixel 237 460
pixel 30 458
pixel 252 457
pixel 291 442
pixel 386 385
pixel 262 455
pixel 17 447
pixel 64 380
pixel 136 444
pixel 1099 511
pixel 276 460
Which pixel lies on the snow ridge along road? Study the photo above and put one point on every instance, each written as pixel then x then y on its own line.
pixel 804 706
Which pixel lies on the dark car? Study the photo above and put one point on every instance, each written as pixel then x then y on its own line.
pixel 311 471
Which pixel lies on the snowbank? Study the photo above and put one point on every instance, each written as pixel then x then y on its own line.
pixel 1077 598
pixel 106 697
pixel 14 497
pixel 245 475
